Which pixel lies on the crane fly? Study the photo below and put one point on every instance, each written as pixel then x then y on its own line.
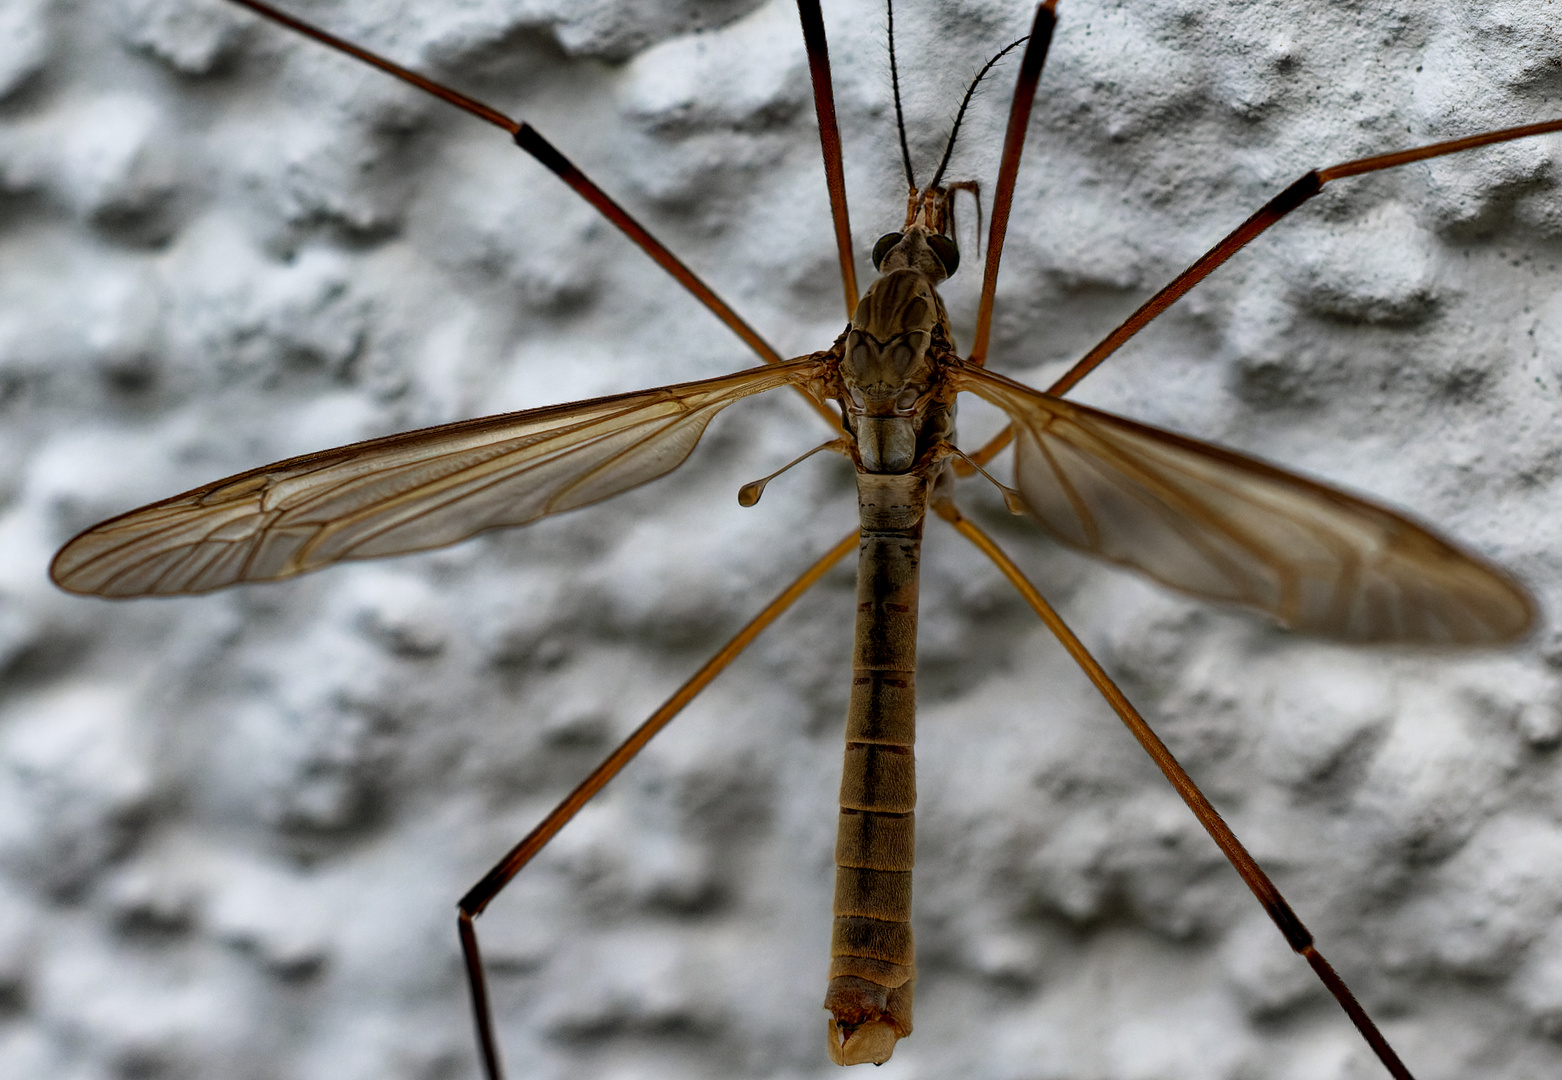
pixel 1202 520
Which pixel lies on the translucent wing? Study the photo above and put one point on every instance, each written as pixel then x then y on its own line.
pixel 1226 527
pixel 408 492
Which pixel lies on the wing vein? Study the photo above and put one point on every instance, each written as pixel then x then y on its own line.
pixel 407 492
pixel 1217 524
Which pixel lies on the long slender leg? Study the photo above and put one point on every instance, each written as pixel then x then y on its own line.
pixel 481 894
pixel 830 142
pixel 1282 204
pixel 1296 934
pixel 530 139
pixel 1009 166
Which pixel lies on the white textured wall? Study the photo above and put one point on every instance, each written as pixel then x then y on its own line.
pixel 233 828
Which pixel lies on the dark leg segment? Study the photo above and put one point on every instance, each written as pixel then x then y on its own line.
pixel 530 140
pixel 830 143
pixel 1296 934
pixel 1282 204
pixel 1009 166
pixel 481 894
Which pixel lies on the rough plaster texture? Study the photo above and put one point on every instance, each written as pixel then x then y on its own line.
pixel 233 828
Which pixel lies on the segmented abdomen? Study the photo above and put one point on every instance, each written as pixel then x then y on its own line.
pixel 872 966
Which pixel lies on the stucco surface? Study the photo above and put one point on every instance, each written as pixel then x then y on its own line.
pixel 233 828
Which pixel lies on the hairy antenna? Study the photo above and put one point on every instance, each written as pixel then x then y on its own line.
pixel 894 78
pixel 949 147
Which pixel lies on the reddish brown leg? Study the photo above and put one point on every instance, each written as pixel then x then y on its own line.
pixel 481 894
pixel 530 140
pixel 1296 934
pixel 1009 166
pixel 1278 207
pixel 830 142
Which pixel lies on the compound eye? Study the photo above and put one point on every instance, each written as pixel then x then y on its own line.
pixel 948 252
pixel 882 248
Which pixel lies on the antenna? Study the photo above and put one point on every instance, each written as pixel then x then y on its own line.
pixel 949 147
pixel 894 78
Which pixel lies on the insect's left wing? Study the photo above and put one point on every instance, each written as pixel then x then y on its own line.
pixel 1227 527
pixel 409 492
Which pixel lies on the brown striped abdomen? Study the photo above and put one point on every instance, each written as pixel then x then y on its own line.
pixel 872 960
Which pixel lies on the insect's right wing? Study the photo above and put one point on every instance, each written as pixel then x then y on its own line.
pixel 408 492
pixel 1228 527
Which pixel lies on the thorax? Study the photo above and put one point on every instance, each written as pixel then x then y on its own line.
pixel 891 367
